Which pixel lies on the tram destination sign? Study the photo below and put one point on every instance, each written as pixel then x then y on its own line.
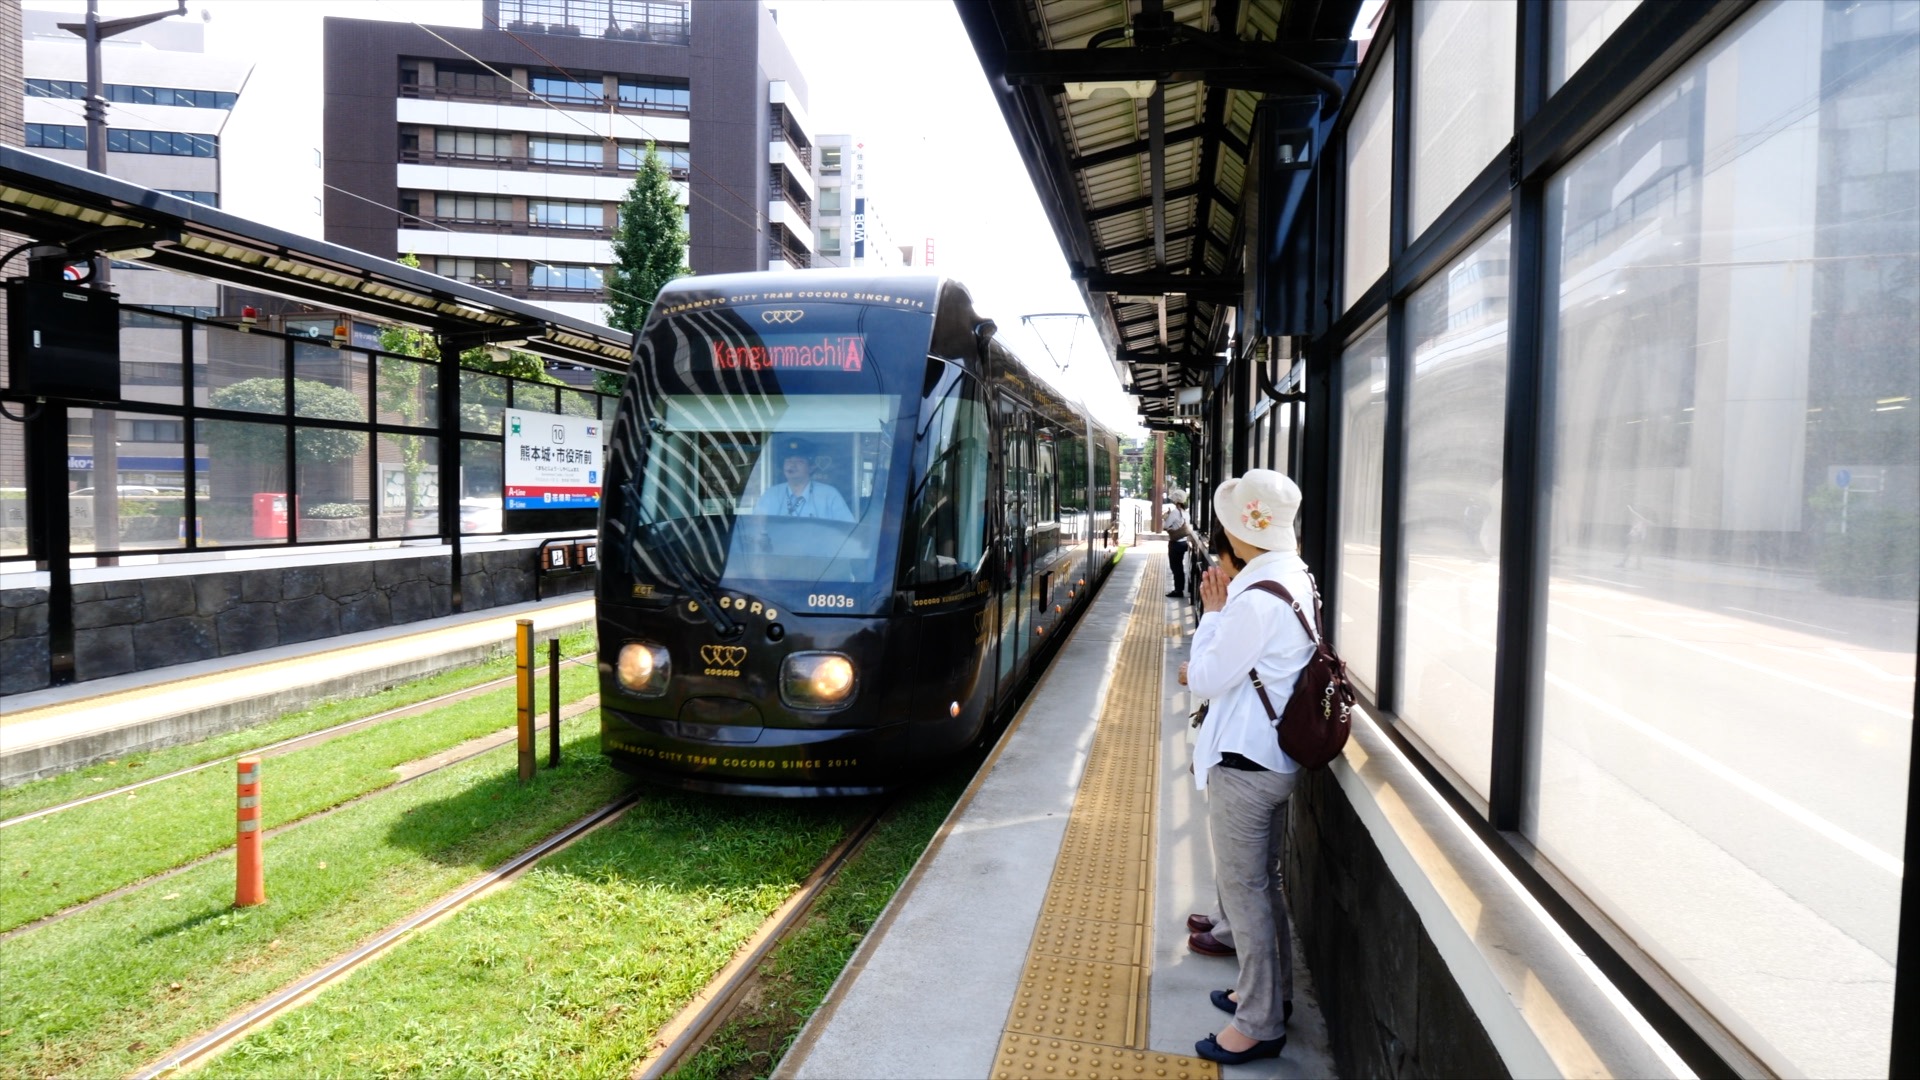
pixel 553 462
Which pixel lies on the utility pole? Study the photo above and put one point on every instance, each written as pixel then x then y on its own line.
pixel 105 424
pixel 1159 489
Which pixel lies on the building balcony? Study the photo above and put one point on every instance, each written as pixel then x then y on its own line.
pixel 504 227
pixel 424 92
pixel 525 164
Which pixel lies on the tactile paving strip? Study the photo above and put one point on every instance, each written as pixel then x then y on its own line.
pixel 1081 1010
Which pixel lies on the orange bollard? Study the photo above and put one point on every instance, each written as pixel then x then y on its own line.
pixel 250 883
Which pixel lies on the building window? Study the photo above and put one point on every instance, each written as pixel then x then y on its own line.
pixel 56 137
pixel 566 215
pixel 170 143
pixel 574 153
pixel 487 273
pixel 1730 322
pixel 672 156
pixel 204 198
pixel 566 277
pixel 477 81
pixel 829 159
pixel 647 95
pixel 1462 100
pixel 566 88
pixel 1363 438
pixel 829 237
pixel 1369 181
pixel 134 95
pixel 1577 29
pixel 472 145
pixel 473 207
pixel 829 200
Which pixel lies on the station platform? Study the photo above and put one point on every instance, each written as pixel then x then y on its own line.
pixel 65 727
pixel 1043 932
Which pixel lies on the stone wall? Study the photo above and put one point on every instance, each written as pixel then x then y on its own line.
pixel 139 624
pixel 1392 1007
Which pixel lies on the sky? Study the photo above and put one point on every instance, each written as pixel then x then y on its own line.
pixel 899 74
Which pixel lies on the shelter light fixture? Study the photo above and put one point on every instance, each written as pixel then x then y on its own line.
pixel 1137 89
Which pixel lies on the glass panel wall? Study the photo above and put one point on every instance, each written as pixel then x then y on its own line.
pixel 1727 717
pixel 1462 98
pixel 245 372
pixel 1362 478
pixel 409 475
pixel 334 502
pixel 150 367
pixel 245 499
pixel 1578 28
pixel 1369 181
pixel 1456 422
pixel 13 491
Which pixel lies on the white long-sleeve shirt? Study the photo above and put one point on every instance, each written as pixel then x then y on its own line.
pixel 1258 632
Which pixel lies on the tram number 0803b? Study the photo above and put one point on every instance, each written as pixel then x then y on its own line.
pixel 829 600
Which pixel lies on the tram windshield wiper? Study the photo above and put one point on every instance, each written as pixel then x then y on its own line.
pixel 690 582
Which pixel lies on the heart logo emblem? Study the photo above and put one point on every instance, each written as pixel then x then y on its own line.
pixel 723 655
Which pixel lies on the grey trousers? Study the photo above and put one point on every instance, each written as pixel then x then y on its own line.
pixel 1246 820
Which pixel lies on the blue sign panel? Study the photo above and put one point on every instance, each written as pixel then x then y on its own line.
pixel 859 228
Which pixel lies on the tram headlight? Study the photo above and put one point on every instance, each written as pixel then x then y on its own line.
pixel 644 668
pixel 816 680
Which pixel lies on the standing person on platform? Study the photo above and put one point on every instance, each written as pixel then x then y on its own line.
pixel 1178 526
pixel 1201 927
pixel 1237 758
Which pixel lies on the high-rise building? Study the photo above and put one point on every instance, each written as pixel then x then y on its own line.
pixel 499 156
pixel 848 230
pixel 168 100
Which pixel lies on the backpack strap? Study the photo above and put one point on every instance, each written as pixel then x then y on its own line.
pixel 1276 589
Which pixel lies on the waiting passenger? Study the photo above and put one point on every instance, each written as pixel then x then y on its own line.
pixel 800 496
pixel 1237 758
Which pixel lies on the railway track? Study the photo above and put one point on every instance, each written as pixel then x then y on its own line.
pixel 297 742
pixel 445 760
pixel 677 1041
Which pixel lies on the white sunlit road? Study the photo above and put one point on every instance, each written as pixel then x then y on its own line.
pixel 1722 767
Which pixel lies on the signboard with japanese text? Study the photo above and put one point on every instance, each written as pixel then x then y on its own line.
pixel 859 228
pixel 552 462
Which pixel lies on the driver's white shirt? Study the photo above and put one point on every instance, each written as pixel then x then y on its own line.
pixel 813 501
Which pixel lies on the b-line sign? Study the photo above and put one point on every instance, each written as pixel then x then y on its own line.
pixel 552 462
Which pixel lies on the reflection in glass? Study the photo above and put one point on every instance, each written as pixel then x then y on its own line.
pixel 13 492
pixel 150 367
pixel 329 383
pixel 408 495
pixel 246 499
pixel 409 392
pixel 482 400
pixel 480 486
pixel 333 501
pixel 1462 98
pixel 534 397
pixel 246 372
pixel 1456 404
pixel 1722 752
pixel 126 483
pixel 1578 29
pixel 1369 181
pixel 1362 474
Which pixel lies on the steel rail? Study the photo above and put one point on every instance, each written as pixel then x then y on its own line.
pixel 208 1044
pixel 314 737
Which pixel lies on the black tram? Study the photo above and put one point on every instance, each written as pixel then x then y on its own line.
pixel 839 525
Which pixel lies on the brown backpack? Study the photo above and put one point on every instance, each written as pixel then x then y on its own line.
pixel 1318 717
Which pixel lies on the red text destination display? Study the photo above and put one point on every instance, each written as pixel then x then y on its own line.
pixel 836 352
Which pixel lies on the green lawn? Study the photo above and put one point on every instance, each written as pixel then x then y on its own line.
pixel 113 987
pixel 53 862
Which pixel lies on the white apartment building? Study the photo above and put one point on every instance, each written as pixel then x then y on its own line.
pixel 848 230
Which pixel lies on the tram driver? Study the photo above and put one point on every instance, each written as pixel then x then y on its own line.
pixel 801 496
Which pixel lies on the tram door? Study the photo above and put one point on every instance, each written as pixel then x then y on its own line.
pixel 1012 420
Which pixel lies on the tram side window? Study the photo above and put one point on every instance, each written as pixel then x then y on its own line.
pixel 949 502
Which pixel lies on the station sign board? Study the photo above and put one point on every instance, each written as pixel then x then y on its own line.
pixel 553 462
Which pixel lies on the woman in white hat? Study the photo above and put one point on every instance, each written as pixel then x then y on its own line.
pixel 1179 528
pixel 1237 758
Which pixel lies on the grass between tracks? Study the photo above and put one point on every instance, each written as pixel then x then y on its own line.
pixel 134 767
pixel 54 862
pixel 573 970
pixel 115 986
pixel 794 980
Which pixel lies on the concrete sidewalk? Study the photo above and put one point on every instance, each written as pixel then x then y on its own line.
pixel 66 727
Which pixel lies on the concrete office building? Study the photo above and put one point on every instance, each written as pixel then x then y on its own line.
pixel 848 230
pixel 499 156
pixel 168 101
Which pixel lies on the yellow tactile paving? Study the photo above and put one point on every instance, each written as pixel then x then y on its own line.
pixel 1081 1010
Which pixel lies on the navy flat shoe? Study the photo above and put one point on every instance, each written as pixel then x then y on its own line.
pixel 1211 1049
pixel 1227 1005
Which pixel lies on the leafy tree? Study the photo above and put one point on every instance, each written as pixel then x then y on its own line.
pixel 649 245
pixel 264 444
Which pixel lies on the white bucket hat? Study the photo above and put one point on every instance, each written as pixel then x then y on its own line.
pixel 1258 509
pixel 1176 496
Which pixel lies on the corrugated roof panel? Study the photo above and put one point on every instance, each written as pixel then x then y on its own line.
pixel 1239 113
pixel 1115 182
pixel 1229 171
pixel 1220 222
pixel 1186 104
pixel 1097 123
pixel 1260 20
pixel 1069 23
pixel 1183 163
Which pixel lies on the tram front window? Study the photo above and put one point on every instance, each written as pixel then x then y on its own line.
pixel 784 501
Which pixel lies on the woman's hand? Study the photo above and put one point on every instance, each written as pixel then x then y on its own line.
pixel 1213 589
pixel 1183 673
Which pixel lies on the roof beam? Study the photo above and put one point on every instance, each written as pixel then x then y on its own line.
pixel 1198 286
pixel 1145 202
pixel 1227 61
pixel 1137 147
pixel 1132 246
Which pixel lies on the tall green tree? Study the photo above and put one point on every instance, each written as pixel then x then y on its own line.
pixel 649 250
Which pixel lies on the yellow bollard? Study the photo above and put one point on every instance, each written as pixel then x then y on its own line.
pixel 523 670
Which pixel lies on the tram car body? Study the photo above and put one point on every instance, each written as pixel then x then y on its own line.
pixel 840 525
